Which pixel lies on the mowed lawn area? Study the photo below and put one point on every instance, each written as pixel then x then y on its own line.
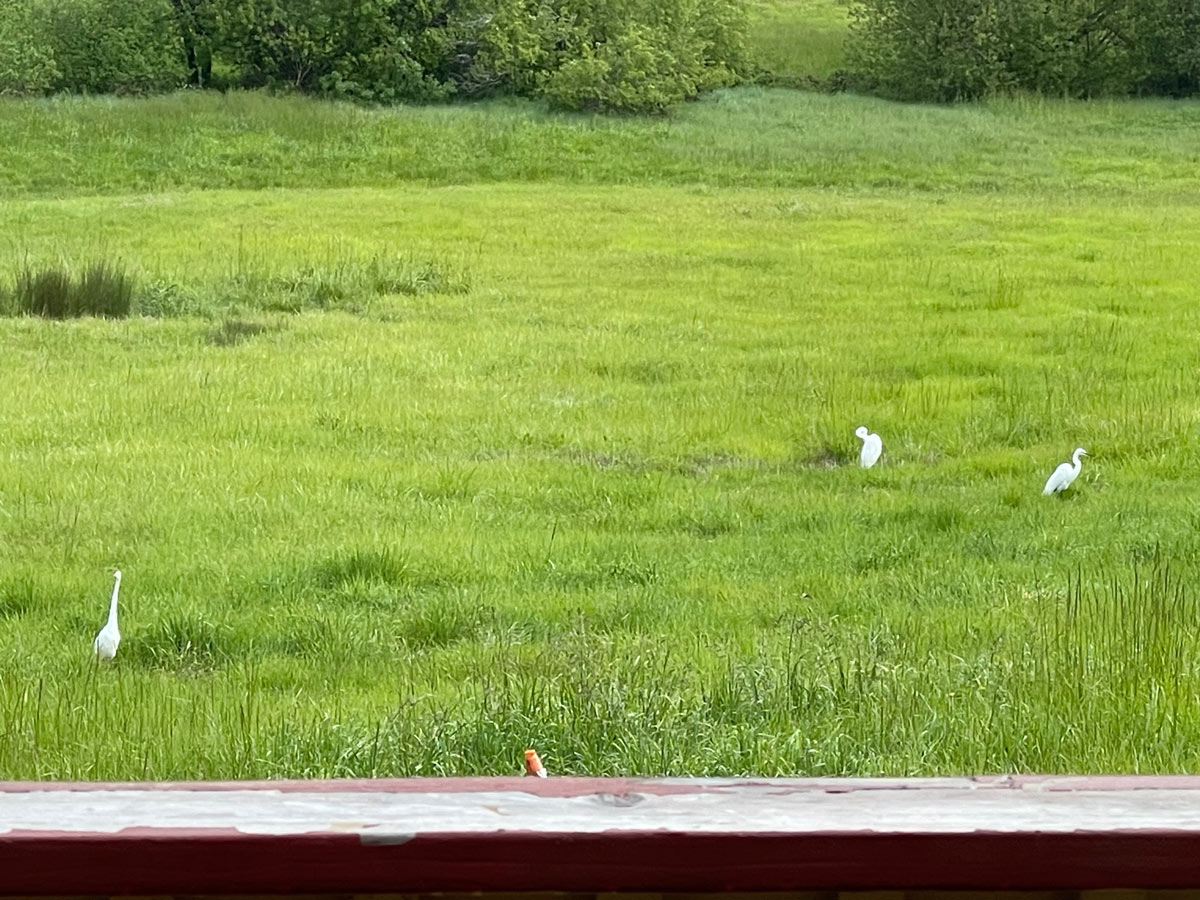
pixel 444 432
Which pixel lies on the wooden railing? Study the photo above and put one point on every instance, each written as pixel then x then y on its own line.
pixel 600 835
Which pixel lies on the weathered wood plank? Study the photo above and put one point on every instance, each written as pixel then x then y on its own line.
pixel 587 806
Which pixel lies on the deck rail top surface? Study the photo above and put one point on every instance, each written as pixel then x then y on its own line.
pixel 408 807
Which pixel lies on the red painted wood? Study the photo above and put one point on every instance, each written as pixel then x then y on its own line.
pixel 222 863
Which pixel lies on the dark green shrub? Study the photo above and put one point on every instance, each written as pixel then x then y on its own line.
pixel 114 46
pixel 363 49
pixel 26 61
pixel 629 71
pixel 606 55
pixel 625 55
pixel 929 49
pixel 960 49
pixel 1074 48
pixel 1172 41
pixel 198 24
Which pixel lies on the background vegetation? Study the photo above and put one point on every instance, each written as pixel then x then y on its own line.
pixel 952 50
pixel 435 433
pixel 601 55
pixel 605 55
pixel 797 43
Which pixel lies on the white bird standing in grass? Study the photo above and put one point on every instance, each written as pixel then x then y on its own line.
pixel 1062 477
pixel 871 448
pixel 109 638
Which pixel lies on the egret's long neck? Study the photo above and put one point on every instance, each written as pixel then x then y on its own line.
pixel 1076 460
pixel 112 606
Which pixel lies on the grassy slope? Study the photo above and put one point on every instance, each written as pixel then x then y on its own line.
pixel 798 37
pixel 744 138
pixel 603 502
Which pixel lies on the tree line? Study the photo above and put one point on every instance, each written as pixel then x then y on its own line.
pixel 602 55
pixel 946 50
pixel 606 55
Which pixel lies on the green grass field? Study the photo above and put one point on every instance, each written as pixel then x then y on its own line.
pixel 797 38
pixel 445 432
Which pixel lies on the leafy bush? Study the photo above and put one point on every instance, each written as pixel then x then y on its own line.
pixel 628 55
pixel 620 55
pixel 26 61
pixel 1075 48
pixel 362 49
pixel 628 72
pixel 960 49
pixel 1172 39
pixel 608 55
pixel 113 46
pixel 197 21
pixel 927 49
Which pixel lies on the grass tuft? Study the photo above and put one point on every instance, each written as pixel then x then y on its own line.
pixel 54 292
pixel 19 597
pixel 232 332
pixel 413 277
pixel 47 292
pixel 365 566
pixel 183 643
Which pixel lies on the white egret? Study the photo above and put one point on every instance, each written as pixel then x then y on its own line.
pixel 109 638
pixel 533 764
pixel 1062 477
pixel 871 448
